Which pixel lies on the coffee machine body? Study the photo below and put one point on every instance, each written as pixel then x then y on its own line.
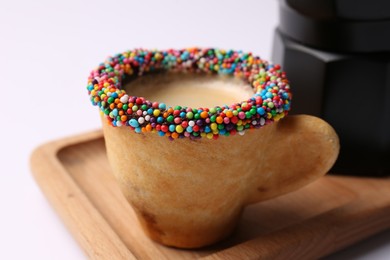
pixel 338 63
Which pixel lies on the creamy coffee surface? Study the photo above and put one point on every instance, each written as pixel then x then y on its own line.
pixel 190 90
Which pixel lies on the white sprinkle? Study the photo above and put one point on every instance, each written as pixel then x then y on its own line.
pixel 191 123
pixel 147 117
pixel 124 98
pixel 241 132
pixel 262 121
pixel 141 120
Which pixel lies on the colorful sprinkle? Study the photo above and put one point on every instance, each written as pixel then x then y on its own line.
pixel 270 102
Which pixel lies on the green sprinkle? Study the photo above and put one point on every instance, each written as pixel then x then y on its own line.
pixel 197 116
pixel 110 100
pixel 190 115
pixel 170 118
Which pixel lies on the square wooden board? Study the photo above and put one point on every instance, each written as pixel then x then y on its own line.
pixel 319 219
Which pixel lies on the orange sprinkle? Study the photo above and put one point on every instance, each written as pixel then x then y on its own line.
pixel 112 105
pixel 123 118
pixel 204 114
pixel 148 127
pixel 219 120
pixel 229 114
pixel 175 135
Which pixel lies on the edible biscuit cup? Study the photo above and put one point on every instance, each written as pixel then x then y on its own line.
pixel 188 173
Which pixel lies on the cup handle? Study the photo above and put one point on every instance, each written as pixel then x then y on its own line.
pixel 299 150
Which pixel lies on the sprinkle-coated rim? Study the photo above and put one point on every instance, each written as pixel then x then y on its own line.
pixel 270 102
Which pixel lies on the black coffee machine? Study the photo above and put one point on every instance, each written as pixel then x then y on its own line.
pixel 336 54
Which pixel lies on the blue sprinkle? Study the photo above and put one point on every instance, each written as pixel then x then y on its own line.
pixel 115 112
pixel 114 95
pixel 260 111
pixel 161 133
pixel 207 129
pixel 162 106
pixel 172 128
pixel 189 129
pixel 185 55
pixel 138 129
pixel 269 95
pixel 183 114
pixel 134 123
pixel 222 131
pixel 150 111
pixel 160 119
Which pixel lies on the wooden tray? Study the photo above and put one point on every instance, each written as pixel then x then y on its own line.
pixel 321 218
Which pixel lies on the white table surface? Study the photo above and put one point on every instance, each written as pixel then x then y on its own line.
pixel 47 49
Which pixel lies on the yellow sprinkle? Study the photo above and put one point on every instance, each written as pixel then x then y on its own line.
pixel 179 129
pixel 269 115
pixel 214 126
pixel 156 112
pixel 202 134
pixel 106 84
pixel 209 135
pixel 157 56
pixel 239 122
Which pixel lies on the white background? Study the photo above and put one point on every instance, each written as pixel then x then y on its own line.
pixel 47 49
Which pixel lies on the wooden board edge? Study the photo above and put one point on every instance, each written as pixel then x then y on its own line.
pixel 71 203
pixel 341 227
